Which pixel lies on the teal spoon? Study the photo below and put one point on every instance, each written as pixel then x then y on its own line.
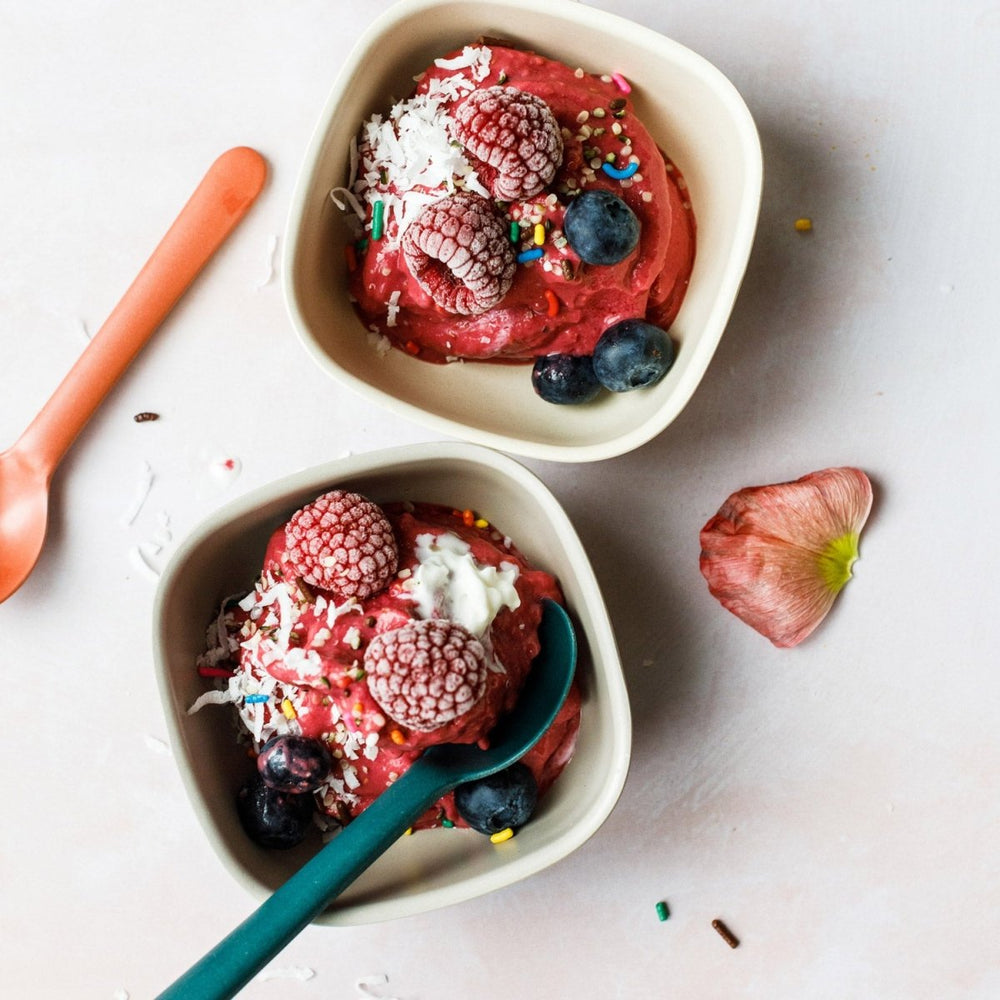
pixel 237 958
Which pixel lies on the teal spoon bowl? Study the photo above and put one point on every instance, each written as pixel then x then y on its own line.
pixel 248 948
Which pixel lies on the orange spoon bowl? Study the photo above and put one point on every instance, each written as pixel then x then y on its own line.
pixel 219 202
pixel 24 507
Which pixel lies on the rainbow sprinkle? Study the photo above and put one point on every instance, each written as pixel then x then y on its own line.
pixel 378 219
pixel 621 83
pixel 620 175
pixel 500 836
pixel 214 672
pixel 533 254
pixel 256 699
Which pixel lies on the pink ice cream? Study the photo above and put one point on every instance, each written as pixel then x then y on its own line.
pixel 517 157
pixel 317 647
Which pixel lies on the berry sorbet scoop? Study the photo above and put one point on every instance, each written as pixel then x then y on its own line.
pixel 219 202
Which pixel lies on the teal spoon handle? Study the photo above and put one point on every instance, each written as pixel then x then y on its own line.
pixel 233 962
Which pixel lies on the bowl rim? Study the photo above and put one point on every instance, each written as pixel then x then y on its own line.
pixel 600 638
pixel 737 258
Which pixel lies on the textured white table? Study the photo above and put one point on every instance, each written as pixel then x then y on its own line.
pixel 835 804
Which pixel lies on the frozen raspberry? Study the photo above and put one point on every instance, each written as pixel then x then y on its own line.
pixel 426 673
pixel 343 543
pixel 513 138
pixel 459 253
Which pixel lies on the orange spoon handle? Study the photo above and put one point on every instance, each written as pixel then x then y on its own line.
pixel 219 202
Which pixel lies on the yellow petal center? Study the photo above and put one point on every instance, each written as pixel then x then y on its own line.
pixel 836 560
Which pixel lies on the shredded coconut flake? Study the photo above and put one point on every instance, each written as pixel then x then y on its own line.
pixel 305 662
pixel 272 246
pixel 143 486
pixel 367 986
pixel 211 698
pixel 475 58
pixel 258 721
pixel 392 308
pixel 408 159
pixel 379 343
pixel 334 611
pixel 157 745
pixel 300 972
pixel 142 557
pixel 338 193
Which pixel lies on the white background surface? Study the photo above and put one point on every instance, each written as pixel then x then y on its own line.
pixel 836 804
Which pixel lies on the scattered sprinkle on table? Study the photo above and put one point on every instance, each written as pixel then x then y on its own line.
pixel 662 911
pixel 146 415
pixel 803 225
pixel 500 836
pixel 726 934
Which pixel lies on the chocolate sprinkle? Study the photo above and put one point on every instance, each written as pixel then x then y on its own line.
pixel 726 934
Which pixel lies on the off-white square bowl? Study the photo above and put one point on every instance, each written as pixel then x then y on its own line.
pixel 693 112
pixel 433 868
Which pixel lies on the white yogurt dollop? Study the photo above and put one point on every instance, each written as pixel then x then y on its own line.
pixel 449 583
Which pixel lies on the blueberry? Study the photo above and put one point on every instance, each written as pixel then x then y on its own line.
pixel 600 227
pixel 294 763
pixel 272 818
pixel 632 354
pixel 501 800
pixel 565 378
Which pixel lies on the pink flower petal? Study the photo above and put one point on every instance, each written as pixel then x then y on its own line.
pixel 777 556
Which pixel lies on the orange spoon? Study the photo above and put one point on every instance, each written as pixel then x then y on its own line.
pixel 219 202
